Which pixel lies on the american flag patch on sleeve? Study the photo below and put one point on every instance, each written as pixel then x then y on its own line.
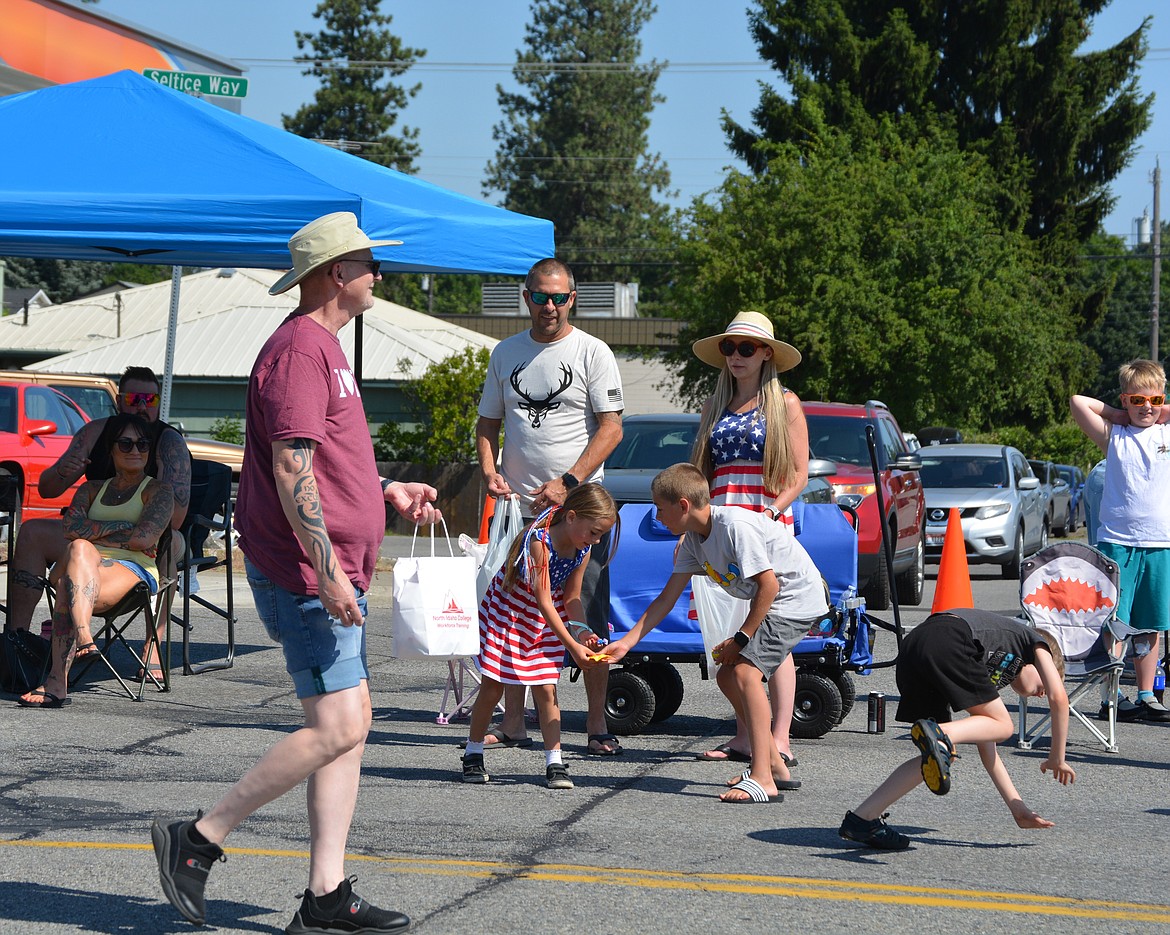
pixel 615 395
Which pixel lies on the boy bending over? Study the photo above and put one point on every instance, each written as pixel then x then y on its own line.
pixel 755 560
pixel 960 660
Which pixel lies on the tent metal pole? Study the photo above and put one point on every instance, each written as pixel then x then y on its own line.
pixel 164 412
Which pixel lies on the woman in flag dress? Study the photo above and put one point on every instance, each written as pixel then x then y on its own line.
pixel 753 447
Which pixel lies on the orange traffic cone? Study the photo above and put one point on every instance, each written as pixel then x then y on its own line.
pixel 953 587
pixel 485 522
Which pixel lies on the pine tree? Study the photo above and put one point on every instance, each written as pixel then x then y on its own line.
pixel 1007 74
pixel 354 55
pixel 573 145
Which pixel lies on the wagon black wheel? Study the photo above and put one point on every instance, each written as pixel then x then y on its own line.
pixel 848 689
pixel 818 706
pixel 629 703
pixel 667 685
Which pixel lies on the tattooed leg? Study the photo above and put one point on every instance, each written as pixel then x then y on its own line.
pixel 38 546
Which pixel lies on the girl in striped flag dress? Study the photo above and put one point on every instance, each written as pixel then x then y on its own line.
pixel 753 447
pixel 531 614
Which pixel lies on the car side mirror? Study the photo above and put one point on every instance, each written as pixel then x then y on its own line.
pixel 821 467
pixel 1029 483
pixel 40 427
pixel 907 462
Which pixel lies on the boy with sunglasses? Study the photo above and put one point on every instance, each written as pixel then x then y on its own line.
pixel 41 542
pixel 1134 524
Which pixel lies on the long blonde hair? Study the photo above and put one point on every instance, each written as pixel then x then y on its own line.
pixel 591 501
pixel 779 469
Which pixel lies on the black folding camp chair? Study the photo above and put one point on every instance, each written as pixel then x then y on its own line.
pixel 210 510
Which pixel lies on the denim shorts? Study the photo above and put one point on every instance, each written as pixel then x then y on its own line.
pixel 320 653
pixel 142 573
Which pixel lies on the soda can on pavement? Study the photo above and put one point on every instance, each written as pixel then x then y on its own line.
pixel 877 713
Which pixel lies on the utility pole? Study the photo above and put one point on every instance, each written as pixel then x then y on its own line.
pixel 1156 292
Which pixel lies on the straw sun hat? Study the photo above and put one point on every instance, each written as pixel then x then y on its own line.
pixel 322 241
pixel 751 326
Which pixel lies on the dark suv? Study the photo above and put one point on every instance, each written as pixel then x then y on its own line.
pixel 836 431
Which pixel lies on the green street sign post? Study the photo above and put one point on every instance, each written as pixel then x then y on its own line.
pixel 193 83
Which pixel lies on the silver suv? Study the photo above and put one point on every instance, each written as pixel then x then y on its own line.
pixel 1001 506
pixel 1057 495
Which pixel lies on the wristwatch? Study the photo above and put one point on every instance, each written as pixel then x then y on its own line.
pixel 569 481
pixel 741 638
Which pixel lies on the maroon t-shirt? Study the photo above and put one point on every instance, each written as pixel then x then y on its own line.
pixel 302 387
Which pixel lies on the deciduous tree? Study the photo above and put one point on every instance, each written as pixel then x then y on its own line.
pixel 880 256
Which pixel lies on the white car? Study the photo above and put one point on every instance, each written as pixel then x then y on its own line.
pixel 1001 507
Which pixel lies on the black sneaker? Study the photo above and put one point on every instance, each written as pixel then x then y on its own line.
pixel 937 755
pixel 350 915
pixel 183 866
pixel 473 769
pixel 1126 711
pixel 875 833
pixel 1152 711
pixel 557 777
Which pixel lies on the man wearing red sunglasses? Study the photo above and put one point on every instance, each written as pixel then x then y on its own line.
pixel 41 542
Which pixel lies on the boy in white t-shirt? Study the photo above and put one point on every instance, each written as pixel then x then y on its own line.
pixel 755 560
pixel 1134 525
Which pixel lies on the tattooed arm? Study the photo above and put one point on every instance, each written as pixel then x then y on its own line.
pixel 158 504
pixel 296 485
pixel 78 525
pixel 68 468
pixel 174 469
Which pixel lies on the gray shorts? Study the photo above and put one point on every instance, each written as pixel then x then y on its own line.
pixel 773 642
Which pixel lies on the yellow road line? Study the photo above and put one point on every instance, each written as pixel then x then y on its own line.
pixel 745 884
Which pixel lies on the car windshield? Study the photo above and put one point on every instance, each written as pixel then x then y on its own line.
pixel 839 439
pixel 962 472
pixel 653 445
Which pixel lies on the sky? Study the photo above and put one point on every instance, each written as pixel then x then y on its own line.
pixel 712 64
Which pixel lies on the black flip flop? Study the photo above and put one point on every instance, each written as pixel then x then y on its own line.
pixel 603 739
pixel 729 755
pixel 502 740
pixel 51 700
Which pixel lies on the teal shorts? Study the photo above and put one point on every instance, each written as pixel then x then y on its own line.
pixel 1144 598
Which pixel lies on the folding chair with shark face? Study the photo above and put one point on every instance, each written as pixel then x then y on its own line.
pixel 1070 591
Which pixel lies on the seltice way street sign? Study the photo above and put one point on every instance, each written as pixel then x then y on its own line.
pixel 193 83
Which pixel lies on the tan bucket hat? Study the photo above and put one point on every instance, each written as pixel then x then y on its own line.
pixel 750 326
pixel 323 241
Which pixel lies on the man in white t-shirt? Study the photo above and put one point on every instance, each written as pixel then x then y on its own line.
pixel 557 394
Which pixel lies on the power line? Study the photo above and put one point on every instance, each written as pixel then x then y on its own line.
pixel 421 65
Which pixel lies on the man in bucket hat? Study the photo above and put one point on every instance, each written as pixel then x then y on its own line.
pixel 310 533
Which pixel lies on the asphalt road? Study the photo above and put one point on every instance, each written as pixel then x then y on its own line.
pixel 640 845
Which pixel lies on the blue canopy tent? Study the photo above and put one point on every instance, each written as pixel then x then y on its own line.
pixel 121 167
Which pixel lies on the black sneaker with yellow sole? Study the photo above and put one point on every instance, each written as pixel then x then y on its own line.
pixel 937 755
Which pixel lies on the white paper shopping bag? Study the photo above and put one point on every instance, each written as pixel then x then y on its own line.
pixel 436 613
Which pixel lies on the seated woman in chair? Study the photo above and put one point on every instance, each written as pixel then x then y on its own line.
pixel 113 528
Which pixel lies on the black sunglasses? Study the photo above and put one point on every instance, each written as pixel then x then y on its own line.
pixel 126 445
pixel 727 347
pixel 374 266
pixel 558 298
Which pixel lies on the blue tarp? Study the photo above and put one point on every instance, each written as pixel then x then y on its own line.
pixel 120 167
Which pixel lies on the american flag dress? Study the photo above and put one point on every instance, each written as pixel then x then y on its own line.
pixel 517 646
pixel 737 453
